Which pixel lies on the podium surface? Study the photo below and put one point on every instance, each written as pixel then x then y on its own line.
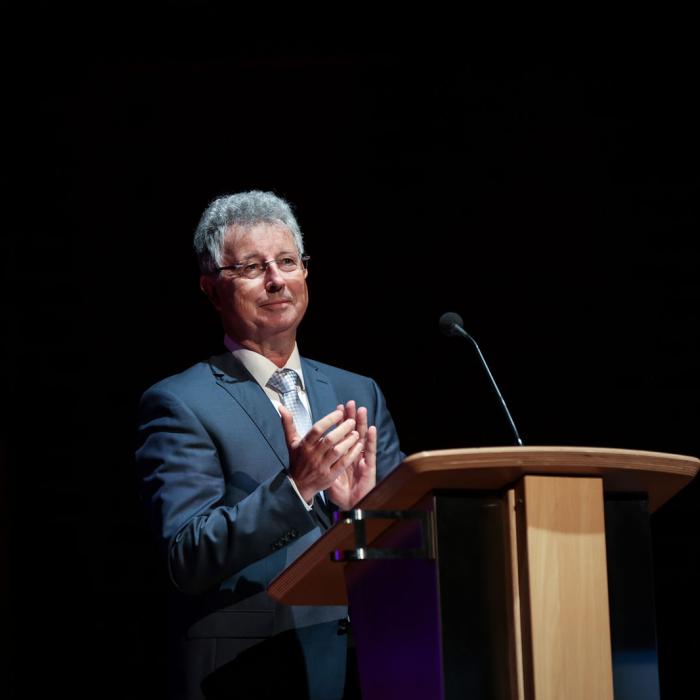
pixel 314 579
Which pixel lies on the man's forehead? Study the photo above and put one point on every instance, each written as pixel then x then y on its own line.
pixel 260 234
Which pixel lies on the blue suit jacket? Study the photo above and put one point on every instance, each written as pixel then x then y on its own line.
pixel 212 457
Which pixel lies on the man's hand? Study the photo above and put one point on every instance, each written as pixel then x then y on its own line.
pixel 316 461
pixel 360 476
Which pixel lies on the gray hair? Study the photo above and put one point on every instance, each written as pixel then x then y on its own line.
pixel 242 209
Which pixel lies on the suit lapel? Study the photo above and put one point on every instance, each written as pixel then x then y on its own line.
pixel 235 379
pixel 322 397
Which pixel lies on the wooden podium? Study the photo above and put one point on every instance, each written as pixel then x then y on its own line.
pixel 515 572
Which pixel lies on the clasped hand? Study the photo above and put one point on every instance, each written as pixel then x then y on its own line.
pixel 341 461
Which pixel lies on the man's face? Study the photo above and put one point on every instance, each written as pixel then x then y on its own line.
pixel 268 307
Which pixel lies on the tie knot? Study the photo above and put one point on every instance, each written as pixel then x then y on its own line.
pixel 284 380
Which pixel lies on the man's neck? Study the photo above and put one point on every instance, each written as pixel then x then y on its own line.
pixel 276 352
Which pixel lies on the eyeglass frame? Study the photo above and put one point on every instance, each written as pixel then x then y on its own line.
pixel 303 260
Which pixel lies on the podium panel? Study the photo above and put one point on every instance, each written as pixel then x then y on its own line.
pixel 563 588
pixel 537 584
pixel 437 628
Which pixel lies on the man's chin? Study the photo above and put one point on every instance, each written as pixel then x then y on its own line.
pixel 276 323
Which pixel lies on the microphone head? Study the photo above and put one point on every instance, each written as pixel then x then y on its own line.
pixel 448 321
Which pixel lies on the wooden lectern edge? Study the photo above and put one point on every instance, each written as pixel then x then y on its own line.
pixel 544 460
pixel 636 467
pixel 682 464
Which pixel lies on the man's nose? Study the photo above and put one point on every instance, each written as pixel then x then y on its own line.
pixel 274 280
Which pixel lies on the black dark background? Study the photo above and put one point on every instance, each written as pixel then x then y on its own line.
pixel 552 202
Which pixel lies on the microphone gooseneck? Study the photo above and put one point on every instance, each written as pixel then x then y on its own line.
pixel 451 325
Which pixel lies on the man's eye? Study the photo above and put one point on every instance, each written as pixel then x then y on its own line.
pixel 251 268
pixel 287 262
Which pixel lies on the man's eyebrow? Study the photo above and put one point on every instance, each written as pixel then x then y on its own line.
pixel 250 256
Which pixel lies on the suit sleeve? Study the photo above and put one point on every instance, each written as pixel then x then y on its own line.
pixel 206 538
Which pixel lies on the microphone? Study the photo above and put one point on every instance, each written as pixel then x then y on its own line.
pixel 451 325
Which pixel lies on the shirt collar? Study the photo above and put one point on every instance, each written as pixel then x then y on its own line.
pixel 259 366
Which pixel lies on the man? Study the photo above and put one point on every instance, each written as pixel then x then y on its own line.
pixel 242 459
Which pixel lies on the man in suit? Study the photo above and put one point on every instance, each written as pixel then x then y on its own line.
pixel 243 458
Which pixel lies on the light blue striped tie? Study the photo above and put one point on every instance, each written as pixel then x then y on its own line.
pixel 285 383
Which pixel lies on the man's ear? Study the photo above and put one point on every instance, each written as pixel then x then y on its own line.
pixel 207 283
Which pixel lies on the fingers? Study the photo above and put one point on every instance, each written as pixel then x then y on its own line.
pixel 354 475
pixel 290 430
pixel 338 453
pixel 351 409
pixel 321 426
pixel 360 416
pixel 337 457
pixel 337 436
pixel 352 449
pixel 321 434
pixel 335 443
pixel 362 422
pixel 370 451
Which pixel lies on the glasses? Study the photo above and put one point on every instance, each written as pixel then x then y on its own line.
pixel 254 268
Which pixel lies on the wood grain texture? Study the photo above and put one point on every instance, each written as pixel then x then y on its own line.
pixel 564 589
